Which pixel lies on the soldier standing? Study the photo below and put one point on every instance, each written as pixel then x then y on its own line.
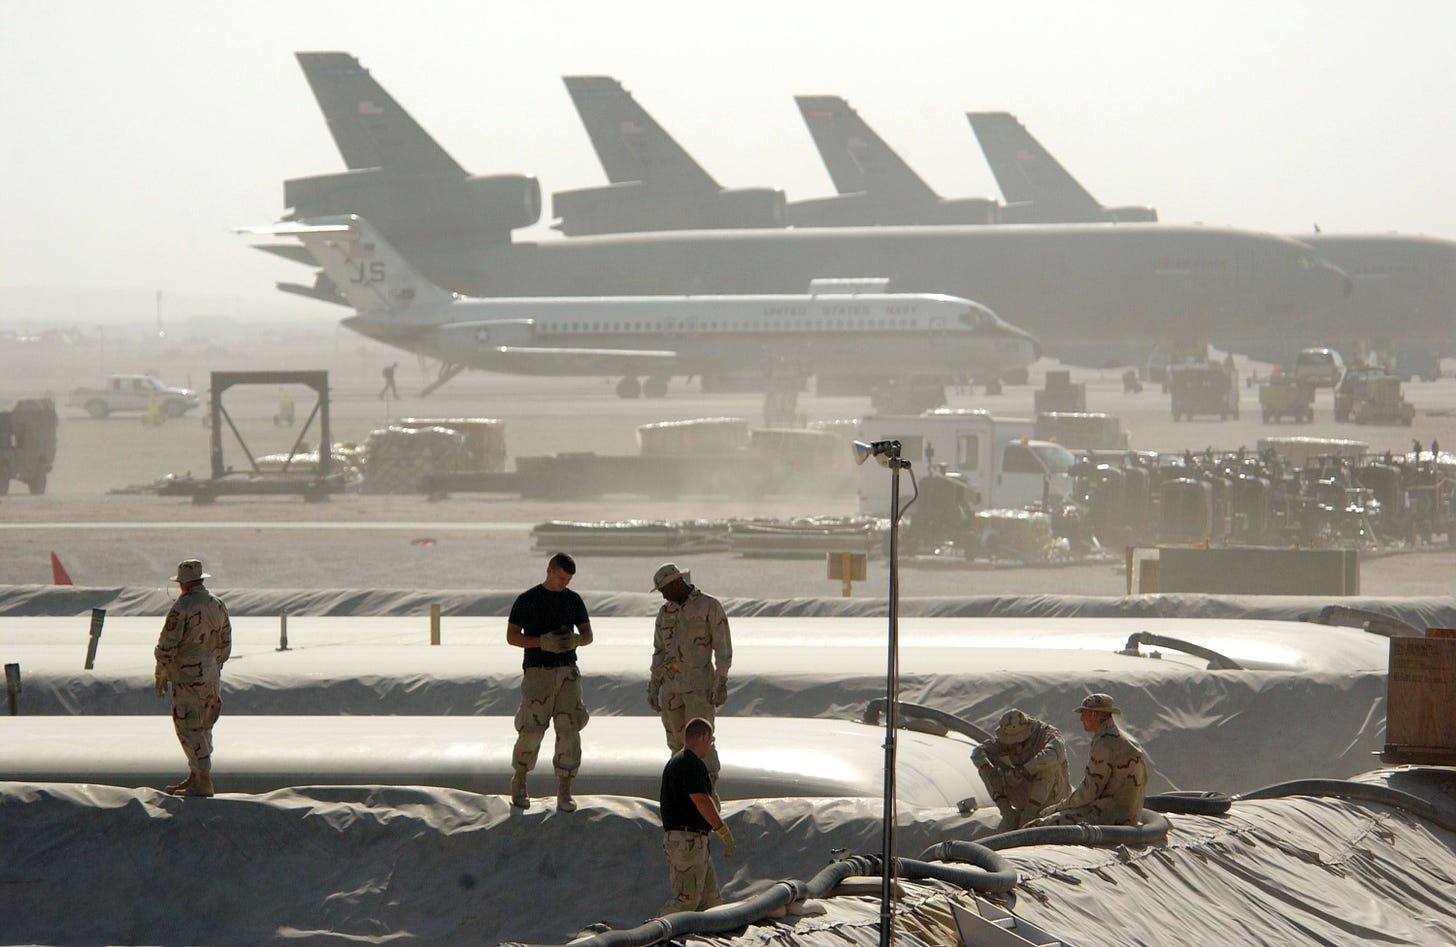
pixel 1117 773
pixel 1024 768
pixel 195 643
pixel 549 622
pixel 688 815
pixel 691 654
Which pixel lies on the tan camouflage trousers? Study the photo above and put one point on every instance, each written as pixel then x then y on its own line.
pixel 1026 798
pixel 550 697
pixel 195 708
pixel 691 876
pixel 678 708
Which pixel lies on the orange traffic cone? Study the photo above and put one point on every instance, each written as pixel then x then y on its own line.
pixel 59 576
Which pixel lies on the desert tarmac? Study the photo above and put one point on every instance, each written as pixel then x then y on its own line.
pixel 482 541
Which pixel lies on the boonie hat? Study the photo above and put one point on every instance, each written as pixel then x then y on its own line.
pixel 665 575
pixel 1014 727
pixel 1102 703
pixel 190 570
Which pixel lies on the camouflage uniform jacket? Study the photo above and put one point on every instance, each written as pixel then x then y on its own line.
pixel 1040 761
pixel 1116 780
pixel 196 639
pixel 687 642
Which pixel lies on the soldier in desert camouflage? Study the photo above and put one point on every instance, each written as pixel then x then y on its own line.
pixel 1024 768
pixel 195 643
pixel 1117 773
pixel 691 654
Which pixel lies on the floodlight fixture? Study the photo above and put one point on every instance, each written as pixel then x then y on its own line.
pixel 881 451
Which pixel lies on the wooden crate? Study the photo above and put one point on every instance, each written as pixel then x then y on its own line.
pixel 1420 707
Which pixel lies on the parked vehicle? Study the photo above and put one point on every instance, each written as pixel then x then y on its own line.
pixel 1287 396
pixel 1371 395
pixel 134 393
pixel 27 443
pixel 996 457
pixel 1321 366
pixel 1204 388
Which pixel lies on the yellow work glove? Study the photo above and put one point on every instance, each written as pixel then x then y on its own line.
pixel 560 642
pixel 159 683
pixel 723 833
pixel 654 697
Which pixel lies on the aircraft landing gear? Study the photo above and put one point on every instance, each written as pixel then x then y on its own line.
pixel 629 387
pixel 447 371
pixel 891 398
pixel 654 388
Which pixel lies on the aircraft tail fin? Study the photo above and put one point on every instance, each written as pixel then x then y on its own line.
pixel 1026 172
pixel 370 273
pixel 629 143
pixel 368 125
pixel 858 160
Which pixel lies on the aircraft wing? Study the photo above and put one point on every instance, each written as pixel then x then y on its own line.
pixel 297 228
pixel 629 143
pixel 369 127
pixel 527 360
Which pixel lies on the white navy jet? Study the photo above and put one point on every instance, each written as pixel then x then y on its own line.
pixel 841 327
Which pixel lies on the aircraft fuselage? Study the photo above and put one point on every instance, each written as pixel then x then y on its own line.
pixel 874 334
pixel 1080 289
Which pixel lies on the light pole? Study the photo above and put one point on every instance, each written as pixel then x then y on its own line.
pixel 888 454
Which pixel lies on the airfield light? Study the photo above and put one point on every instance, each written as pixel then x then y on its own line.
pixel 887 452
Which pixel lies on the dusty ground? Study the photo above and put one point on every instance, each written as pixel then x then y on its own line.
pixel 483 541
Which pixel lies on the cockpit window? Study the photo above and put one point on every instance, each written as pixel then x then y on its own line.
pixel 972 318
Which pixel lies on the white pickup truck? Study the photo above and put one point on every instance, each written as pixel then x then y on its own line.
pixel 134 393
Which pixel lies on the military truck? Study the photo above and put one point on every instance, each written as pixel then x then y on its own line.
pixel 27 443
pixel 134 393
pixel 1204 388
pixel 1371 395
pixel 1287 396
pixel 998 458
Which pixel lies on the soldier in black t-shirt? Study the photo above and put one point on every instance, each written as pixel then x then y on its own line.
pixel 688 814
pixel 550 622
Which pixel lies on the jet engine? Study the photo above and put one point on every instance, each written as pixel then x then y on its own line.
pixel 632 207
pixel 967 210
pixel 408 210
pixel 1132 214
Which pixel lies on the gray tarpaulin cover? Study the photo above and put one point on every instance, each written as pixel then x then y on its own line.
pixel 95 864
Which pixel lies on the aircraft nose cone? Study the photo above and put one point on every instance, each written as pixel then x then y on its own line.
pixel 996 326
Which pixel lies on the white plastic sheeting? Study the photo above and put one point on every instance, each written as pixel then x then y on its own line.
pixel 1314 704
pixel 761 756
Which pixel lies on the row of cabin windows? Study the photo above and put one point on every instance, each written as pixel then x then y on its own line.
pixel 713 326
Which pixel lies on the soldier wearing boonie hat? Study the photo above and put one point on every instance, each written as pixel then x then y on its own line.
pixel 1024 768
pixel 196 641
pixel 1116 780
pixel 692 651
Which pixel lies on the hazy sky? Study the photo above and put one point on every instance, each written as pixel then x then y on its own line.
pixel 136 134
